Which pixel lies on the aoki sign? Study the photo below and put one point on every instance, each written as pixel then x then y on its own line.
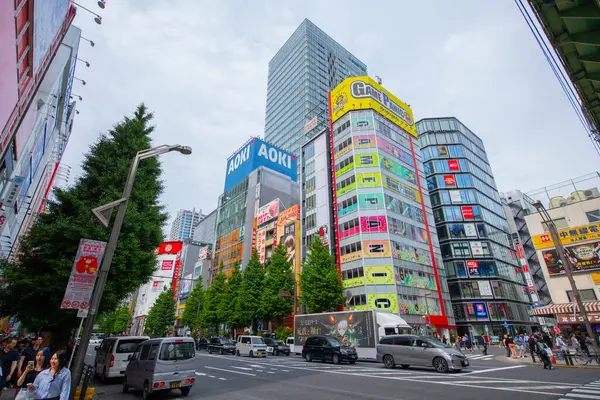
pixel 257 153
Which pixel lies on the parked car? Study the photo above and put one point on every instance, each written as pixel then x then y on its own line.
pixel 94 341
pixel 112 354
pixel 328 348
pixel 161 364
pixel 250 346
pixel 221 346
pixel 276 347
pixel 202 344
pixel 422 351
pixel 290 343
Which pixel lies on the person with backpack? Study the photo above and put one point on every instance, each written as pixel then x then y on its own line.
pixel 532 347
pixel 545 352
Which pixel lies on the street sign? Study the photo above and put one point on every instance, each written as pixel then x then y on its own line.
pixel 486 328
pixel 82 313
pixel 506 324
pixel 83 274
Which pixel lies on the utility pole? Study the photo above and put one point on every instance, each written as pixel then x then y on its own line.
pixel 566 262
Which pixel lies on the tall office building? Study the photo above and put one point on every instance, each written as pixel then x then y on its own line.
pixel 185 223
pixel 387 248
pixel 484 277
pixel 303 71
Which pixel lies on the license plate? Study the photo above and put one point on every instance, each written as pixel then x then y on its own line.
pixel 269 349
pixel 260 353
pixel 174 385
pixel 465 362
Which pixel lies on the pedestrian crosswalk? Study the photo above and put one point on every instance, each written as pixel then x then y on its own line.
pixel 590 391
pixel 481 357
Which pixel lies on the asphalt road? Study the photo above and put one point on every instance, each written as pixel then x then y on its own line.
pixel 293 378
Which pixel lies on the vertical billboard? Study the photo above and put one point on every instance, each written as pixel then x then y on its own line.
pixel 288 232
pixel 257 153
pixel 267 212
pixel 169 262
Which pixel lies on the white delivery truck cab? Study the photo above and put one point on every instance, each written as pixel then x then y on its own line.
pixel 359 329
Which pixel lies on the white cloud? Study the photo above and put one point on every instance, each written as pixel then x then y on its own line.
pixel 201 66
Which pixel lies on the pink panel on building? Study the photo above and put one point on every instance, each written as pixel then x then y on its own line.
pixel 8 61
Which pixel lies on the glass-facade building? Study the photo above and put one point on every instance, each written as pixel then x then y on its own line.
pixel 301 74
pixel 484 278
pixel 387 247
pixel 184 224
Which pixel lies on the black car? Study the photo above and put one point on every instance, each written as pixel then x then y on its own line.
pixel 221 346
pixel 276 347
pixel 202 344
pixel 327 348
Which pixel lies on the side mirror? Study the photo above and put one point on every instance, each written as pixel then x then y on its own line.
pixel 97 348
pixel 129 357
pixel 425 345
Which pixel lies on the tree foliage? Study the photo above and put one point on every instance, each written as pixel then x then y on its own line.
pixel 116 321
pixel 194 307
pixel 215 297
pixel 161 317
pixel 320 282
pixel 234 285
pixel 278 279
pixel 36 281
pixel 249 305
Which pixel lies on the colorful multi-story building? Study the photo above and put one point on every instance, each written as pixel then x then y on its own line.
pixel 386 244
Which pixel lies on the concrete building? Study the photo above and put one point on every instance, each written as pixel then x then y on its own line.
pixel 485 280
pixel 303 71
pixel 386 244
pixel 205 230
pixel 185 223
pixel 574 206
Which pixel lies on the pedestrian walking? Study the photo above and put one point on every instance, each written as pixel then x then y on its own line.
pixel 453 341
pixel 511 347
pixel 9 359
pixel 483 343
pixel 547 339
pixel 29 374
pixel 53 383
pixel 532 347
pixel 545 352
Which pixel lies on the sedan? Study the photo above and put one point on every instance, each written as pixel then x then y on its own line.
pixel 276 347
pixel 221 346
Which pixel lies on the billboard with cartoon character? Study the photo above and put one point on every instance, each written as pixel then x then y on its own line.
pixel 353 328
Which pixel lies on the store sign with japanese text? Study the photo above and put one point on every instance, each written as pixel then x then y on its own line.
pixel 473 268
pixel 449 180
pixel 261 238
pixel 83 275
pixel 453 165
pixel 268 212
pixel 467 212
pixel 577 319
pixel 583 257
pixel 569 236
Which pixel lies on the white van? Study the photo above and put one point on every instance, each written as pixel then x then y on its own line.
pixel 290 342
pixel 112 354
pixel 162 364
pixel 250 346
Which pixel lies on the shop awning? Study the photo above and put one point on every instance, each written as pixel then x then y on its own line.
pixel 566 308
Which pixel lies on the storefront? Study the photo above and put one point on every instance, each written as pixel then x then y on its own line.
pixel 568 318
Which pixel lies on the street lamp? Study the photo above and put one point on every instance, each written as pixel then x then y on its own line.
pixel 103 213
pixel 88 40
pixel 87 64
pixel 566 262
pixel 97 18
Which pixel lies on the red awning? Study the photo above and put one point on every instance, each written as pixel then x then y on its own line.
pixel 566 308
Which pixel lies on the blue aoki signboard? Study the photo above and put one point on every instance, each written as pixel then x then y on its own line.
pixel 257 153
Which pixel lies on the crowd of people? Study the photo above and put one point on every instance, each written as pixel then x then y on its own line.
pixel 33 370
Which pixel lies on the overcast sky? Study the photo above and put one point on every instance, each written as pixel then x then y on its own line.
pixel 201 67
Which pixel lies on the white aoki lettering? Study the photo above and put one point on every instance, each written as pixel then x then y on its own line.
pixel 238 160
pixel 276 156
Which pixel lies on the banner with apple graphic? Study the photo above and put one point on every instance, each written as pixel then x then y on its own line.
pixel 83 275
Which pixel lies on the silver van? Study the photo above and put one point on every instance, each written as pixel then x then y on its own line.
pixel 421 351
pixel 112 354
pixel 162 364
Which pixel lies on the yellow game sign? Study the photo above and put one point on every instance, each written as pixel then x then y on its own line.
pixel 576 234
pixel 361 93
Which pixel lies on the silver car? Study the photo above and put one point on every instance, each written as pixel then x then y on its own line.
pixel 421 351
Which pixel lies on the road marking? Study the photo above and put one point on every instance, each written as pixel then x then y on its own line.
pixel 269 372
pixel 495 369
pixel 244 368
pixel 583 396
pixel 200 374
pixel 212 376
pixel 256 366
pixel 586 391
pixel 222 379
pixel 388 373
pixel 233 372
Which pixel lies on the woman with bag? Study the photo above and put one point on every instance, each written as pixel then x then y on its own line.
pixel 545 353
pixel 29 374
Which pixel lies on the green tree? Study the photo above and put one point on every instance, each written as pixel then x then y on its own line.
pixel 320 284
pixel 122 318
pixel 249 305
pixel 215 297
pixel 278 278
pixel 234 284
pixel 194 306
pixel 107 324
pixel 35 282
pixel 161 317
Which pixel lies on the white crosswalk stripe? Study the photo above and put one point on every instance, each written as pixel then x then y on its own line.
pixel 481 357
pixel 590 391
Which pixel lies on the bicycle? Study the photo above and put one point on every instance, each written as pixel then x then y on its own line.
pixel 582 358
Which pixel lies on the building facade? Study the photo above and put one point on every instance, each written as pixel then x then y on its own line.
pixel 205 230
pixel 485 281
pixel 387 248
pixel 185 223
pixel 301 74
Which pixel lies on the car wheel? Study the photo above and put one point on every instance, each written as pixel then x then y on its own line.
pixel 440 364
pixel 308 357
pixel 237 353
pixel 287 354
pixel 125 386
pixel 209 351
pixel 275 352
pixel 405 366
pixel 352 362
pixel 251 354
pixel 388 362
pixel 185 391
pixel 221 352
pixel 146 391
pixel 335 359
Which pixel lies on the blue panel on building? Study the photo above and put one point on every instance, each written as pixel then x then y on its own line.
pixel 257 153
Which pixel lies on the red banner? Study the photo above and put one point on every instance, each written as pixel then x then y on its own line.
pixel 453 165
pixel 449 180
pixel 467 212
pixel 170 248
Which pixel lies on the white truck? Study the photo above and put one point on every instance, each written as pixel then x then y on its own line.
pixel 359 329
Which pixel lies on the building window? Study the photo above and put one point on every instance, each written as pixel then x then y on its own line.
pixel 358 300
pixel 593 216
pixel 586 295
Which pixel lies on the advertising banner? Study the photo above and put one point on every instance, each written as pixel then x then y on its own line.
pixel 48 18
pixel 366 160
pixel 354 328
pixel 261 237
pixel 568 236
pixel 476 249
pixel 385 302
pixel 257 153
pixel 324 235
pixel 167 265
pixel 473 268
pixel 398 170
pixel 583 257
pixel 169 248
pixel 364 141
pixel 453 165
pixel 395 151
pixel 480 310
pixel 371 201
pixel 395 186
pixel 467 212
pixel 372 179
pixel 288 232
pixel 186 285
pixel 205 252
pixel 267 212
pixel 376 248
pixel 83 275
pixel 373 224
pixel 379 275
pixel 485 289
pixel 360 93
pixel 449 180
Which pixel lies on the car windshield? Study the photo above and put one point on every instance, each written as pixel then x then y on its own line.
pixel 269 341
pixel 128 345
pixel 177 351
pixel 436 343
pixel 278 342
pixel 227 341
pixel 257 340
pixel 334 342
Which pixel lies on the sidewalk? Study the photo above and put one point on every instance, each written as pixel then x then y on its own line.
pixel 559 363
